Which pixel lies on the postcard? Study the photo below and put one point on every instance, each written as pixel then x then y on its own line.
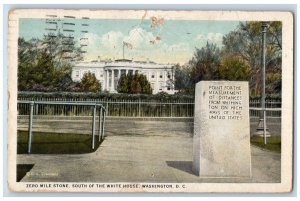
pixel 150 101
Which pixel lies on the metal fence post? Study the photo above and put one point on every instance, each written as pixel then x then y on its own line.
pixel 103 123
pixel 100 123
pixel 265 134
pixel 30 126
pixel 94 124
pixel 106 107
pixel 139 107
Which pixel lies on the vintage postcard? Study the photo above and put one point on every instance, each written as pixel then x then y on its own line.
pixel 150 101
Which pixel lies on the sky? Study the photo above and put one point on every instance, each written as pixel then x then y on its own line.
pixel 167 41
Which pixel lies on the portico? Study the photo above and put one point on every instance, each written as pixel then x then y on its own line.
pixel 113 75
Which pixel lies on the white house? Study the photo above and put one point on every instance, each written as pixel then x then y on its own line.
pixel 161 76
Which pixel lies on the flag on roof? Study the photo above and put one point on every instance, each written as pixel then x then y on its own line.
pixel 128 45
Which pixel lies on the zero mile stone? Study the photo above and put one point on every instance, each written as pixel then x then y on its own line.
pixel 221 129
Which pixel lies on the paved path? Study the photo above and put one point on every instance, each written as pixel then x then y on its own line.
pixel 156 157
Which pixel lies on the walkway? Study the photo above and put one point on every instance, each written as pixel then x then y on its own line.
pixel 164 154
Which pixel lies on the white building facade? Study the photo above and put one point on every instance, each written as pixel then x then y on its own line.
pixel 160 76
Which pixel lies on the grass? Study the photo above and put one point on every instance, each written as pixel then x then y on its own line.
pixel 22 169
pixel 56 143
pixel 273 143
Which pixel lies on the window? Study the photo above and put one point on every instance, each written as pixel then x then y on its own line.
pixel 160 75
pixel 169 76
pixel 152 75
pixel 168 88
pixel 77 73
pixel 101 75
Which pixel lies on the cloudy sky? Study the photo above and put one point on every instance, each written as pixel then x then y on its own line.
pixel 171 41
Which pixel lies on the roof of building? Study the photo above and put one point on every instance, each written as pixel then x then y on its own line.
pixel 121 63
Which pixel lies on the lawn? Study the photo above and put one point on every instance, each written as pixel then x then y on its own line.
pixel 273 143
pixel 22 170
pixel 56 143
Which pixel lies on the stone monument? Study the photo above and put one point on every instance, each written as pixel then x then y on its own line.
pixel 221 129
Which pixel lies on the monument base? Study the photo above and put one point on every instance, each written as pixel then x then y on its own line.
pixel 221 141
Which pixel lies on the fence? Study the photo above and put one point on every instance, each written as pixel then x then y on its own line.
pixel 33 110
pixel 273 108
pixel 133 108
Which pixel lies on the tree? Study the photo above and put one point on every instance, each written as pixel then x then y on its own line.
pixel 42 63
pixel 36 69
pixel 122 84
pixel 145 85
pixel 205 63
pixel 246 42
pixel 183 82
pixel 135 84
pixel 61 47
pixel 89 83
pixel 234 68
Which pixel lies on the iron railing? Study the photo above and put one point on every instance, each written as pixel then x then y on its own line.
pixel 133 108
pixel 121 108
pixel 34 106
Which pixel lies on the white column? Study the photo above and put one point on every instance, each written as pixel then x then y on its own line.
pixel 106 79
pixel 165 77
pixel 156 81
pixel 112 80
pixel 126 71
pixel 119 76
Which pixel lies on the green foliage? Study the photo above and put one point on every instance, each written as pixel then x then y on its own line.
pixel 183 82
pixel 42 64
pixel 123 84
pixel 273 82
pixel 57 143
pixel 81 96
pixel 246 42
pixel 205 63
pixel 273 143
pixel 234 68
pixel 238 59
pixel 89 83
pixel 134 84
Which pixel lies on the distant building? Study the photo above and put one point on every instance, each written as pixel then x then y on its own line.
pixel 161 76
pixel 71 28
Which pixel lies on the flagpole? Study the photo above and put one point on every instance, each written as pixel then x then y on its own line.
pixel 123 50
